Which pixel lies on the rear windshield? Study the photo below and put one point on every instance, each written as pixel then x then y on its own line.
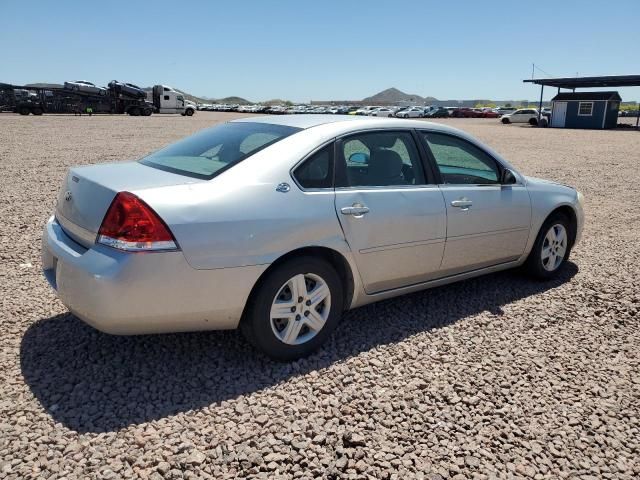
pixel 210 152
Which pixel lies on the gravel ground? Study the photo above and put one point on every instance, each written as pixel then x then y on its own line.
pixel 498 377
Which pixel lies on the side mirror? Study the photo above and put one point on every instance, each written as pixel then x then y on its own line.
pixel 359 157
pixel 508 177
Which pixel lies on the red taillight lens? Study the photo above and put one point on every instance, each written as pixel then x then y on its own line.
pixel 130 224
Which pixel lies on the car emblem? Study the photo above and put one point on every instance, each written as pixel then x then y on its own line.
pixel 67 196
pixel 283 187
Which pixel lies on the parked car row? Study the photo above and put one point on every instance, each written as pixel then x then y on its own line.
pixel 505 114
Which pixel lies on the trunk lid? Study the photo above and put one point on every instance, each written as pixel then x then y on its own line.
pixel 87 193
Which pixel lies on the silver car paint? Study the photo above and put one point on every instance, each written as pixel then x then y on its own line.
pixel 235 225
pixel 125 293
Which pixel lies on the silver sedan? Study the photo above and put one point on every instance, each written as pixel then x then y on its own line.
pixel 277 225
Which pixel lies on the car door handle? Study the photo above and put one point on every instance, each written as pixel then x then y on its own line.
pixel 357 210
pixel 463 203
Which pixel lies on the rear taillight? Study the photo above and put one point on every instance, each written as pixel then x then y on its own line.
pixel 132 225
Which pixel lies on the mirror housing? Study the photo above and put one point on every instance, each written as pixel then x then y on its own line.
pixel 508 177
pixel 359 157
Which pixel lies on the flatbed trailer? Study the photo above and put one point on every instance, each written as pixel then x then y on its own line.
pixel 38 100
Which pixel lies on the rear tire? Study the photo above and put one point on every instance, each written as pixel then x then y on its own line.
pixel 551 249
pixel 307 292
pixel 533 122
pixel 24 111
pixel 37 111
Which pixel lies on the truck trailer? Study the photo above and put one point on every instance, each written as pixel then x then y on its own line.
pixel 115 100
pixel 38 100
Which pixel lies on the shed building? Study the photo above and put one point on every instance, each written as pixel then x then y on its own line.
pixel 585 110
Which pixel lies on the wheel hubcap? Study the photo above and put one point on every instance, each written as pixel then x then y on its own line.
pixel 300 309
pixel 554 247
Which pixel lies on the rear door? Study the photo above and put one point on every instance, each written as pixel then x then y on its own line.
pixel 487 223
pixel 392 214
pixel 518 116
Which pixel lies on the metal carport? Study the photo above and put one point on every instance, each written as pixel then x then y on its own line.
pixel 572 83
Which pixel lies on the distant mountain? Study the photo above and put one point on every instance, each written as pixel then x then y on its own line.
pixel 233 100
pixel 393 95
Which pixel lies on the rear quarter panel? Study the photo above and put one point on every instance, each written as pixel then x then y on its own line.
pixel 239 219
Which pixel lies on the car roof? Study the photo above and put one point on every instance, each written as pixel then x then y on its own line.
pixel 345 122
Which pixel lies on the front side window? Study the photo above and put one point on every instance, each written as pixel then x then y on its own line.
pixel 211 151
pixel 585 109
pixel 380 159
pixel 317 170
pixel 460 162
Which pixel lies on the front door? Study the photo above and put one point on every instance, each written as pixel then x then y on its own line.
pixel 487 222
pixel 393 217
pixel 559 114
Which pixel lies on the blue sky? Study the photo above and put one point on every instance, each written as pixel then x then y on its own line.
pixel 321 50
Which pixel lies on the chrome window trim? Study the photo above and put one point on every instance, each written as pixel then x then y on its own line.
pixel 431 186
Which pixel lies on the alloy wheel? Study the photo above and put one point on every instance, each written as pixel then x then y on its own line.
pixel 300 309
pixel 554 247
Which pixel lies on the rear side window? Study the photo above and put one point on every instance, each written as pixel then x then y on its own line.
pixel 210 152
pixel 317 170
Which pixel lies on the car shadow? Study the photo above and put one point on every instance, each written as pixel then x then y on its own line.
pixel 93 382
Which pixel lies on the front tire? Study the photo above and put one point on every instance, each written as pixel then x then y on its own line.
pixel 551 249
pixel 506 121
pixel 294 309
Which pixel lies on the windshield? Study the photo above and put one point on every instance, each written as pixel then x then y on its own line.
pixel 210 152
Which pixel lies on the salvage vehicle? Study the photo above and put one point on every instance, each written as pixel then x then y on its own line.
pixel 411 112
pixel 381 112
pixel 84 86
pixel 278 225
pixel 439 112
pixel 128 89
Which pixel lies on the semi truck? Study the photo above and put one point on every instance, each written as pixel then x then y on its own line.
pixel 166 99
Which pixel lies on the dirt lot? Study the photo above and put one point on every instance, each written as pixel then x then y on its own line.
pixel 496 377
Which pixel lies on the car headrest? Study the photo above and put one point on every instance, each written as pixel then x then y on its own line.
pixel 385 164
pixel 383 140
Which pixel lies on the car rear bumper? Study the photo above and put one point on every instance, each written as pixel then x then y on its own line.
pixel 138 293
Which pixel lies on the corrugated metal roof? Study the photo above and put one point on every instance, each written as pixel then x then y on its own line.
pixel 589 82
pixel 589 96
